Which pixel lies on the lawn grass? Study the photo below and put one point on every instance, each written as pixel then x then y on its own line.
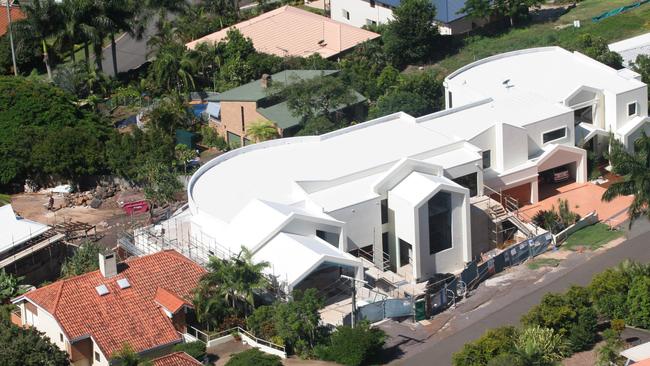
pixel 591 237
pixel 4 199
pixel 538 263
pixel 559 32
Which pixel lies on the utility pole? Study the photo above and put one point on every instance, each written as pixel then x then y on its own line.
pixel 11 37
pixel 353 282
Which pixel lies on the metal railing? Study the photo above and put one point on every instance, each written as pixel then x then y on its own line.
pixel 207 337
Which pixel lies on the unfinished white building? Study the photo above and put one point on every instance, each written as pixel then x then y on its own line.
pixel 398 190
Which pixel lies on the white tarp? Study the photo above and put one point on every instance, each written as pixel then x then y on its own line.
pixel 15 231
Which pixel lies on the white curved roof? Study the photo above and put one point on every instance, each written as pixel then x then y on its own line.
pixel 552 73
pixel 284 170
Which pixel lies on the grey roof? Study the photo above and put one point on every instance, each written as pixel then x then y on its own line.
pixel 283 118
pixel 253 91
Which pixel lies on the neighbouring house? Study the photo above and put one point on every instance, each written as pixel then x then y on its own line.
pixel 408 194
pixel 631 48
pixel 250 103
pixel 142 301
pixel 176 359
pixel 360 13
pixel 16 15
pixel 289 31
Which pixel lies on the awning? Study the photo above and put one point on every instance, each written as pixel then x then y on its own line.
pixel 214 110
pixel 293 257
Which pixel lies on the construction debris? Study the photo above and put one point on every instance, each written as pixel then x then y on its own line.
pixel 93 198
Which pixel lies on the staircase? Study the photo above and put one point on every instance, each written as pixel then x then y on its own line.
pixel 501 208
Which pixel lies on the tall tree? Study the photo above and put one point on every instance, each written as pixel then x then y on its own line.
pixel 45 19
pixel 119 16
pixel 84 260
pixel 28 347
pixel 514 10
pixel 642 66
pixel 635 170
pixel 412 35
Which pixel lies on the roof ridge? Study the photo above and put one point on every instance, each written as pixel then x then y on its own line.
pixel 58 297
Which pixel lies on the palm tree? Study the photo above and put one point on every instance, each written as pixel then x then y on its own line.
pixel 635 171
pixel 262 130
pixel 78 16
pixel 119 16
pixel 173 68
pixel 540 346
pixel 249 276
pixel 44 20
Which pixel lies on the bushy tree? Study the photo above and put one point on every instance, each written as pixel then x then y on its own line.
pixel 362 68
pixel 491 344
pixel 9 286
pixel 160 183
pixel 28 347
pixel 352 346
pixel 412 35
pixel 253 357
pixel 195 349
pixel 638 303
pixel 262 130
pixel 514 10
pixel 598 49
pixel 43 134
pixel 84 260
pixel 609 352
pixel 642 66
pixel 609 293
pixel 399 101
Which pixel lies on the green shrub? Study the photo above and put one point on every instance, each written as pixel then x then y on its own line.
pixel 492 343
pixel 254 357
pixel 352 346
pixel 638 303
pixel 195 349
pixel 210 138
pixel 609 293
pixel 506 359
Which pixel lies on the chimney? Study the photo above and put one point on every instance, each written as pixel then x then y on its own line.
pixel 265 81
pixel 108 264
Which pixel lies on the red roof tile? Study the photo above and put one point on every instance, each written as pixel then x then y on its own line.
pixel 128 315
pixel 170 301
pixel 16 15
pixel 176 359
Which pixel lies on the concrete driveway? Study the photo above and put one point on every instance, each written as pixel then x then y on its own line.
pixel 584 198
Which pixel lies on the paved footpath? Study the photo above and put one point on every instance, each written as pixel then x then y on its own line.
pixel 504 299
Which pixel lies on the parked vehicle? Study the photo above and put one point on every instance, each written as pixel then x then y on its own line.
pixel 556 175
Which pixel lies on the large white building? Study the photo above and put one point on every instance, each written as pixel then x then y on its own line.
pixel 449 18
pixel 400 187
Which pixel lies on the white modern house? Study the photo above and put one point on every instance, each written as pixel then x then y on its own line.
pixel 449 18
pixel 537 109
pixel 399 190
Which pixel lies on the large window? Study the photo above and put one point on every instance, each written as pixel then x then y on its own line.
pixel 439 222
pixel 384 212
pixel 234 139
pixel 560 133
pixel 487 159
pixel 470 182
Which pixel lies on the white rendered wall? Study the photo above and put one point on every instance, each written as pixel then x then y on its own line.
pixel 535 131
pixel 512 146
pixel 638 96
pixel 404 223
pixel 360 11
pixel 362 223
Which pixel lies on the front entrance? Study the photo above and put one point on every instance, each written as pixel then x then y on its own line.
pixel 405 252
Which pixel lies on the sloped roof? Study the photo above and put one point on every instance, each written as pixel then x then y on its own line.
pixel 289 31
pixel 176 359
pixel 123 315
pixel 16 15
pixel 169 300
pixel 253 91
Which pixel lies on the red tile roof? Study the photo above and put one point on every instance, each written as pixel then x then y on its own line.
pixel 176 359
pixel 16 15
pixel 123 315
pixel 169 300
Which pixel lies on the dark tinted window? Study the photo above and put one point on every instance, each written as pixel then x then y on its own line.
pixel 487 159
pixel 384 211
pixel 554 135
pixel 439 222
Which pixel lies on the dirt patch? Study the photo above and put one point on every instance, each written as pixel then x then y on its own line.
pixel 108 219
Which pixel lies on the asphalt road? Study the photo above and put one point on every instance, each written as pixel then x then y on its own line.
pixel 439 352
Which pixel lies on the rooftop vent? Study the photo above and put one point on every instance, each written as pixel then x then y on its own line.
pixel 123 283
pixel 266 81
pixel 102 290
pixel 108 264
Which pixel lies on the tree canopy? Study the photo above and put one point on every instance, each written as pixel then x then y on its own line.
pixel 44 134
pixel 84 260
pixel 28 347
pixel 412 34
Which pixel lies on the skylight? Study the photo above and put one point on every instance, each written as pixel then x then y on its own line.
pixel 102 290
pixel 123 283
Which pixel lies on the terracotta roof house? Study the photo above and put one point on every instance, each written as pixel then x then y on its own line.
pixel 251 103
pixel 176 359
pixel 16 15
pixel 142 302
pixel 289 31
